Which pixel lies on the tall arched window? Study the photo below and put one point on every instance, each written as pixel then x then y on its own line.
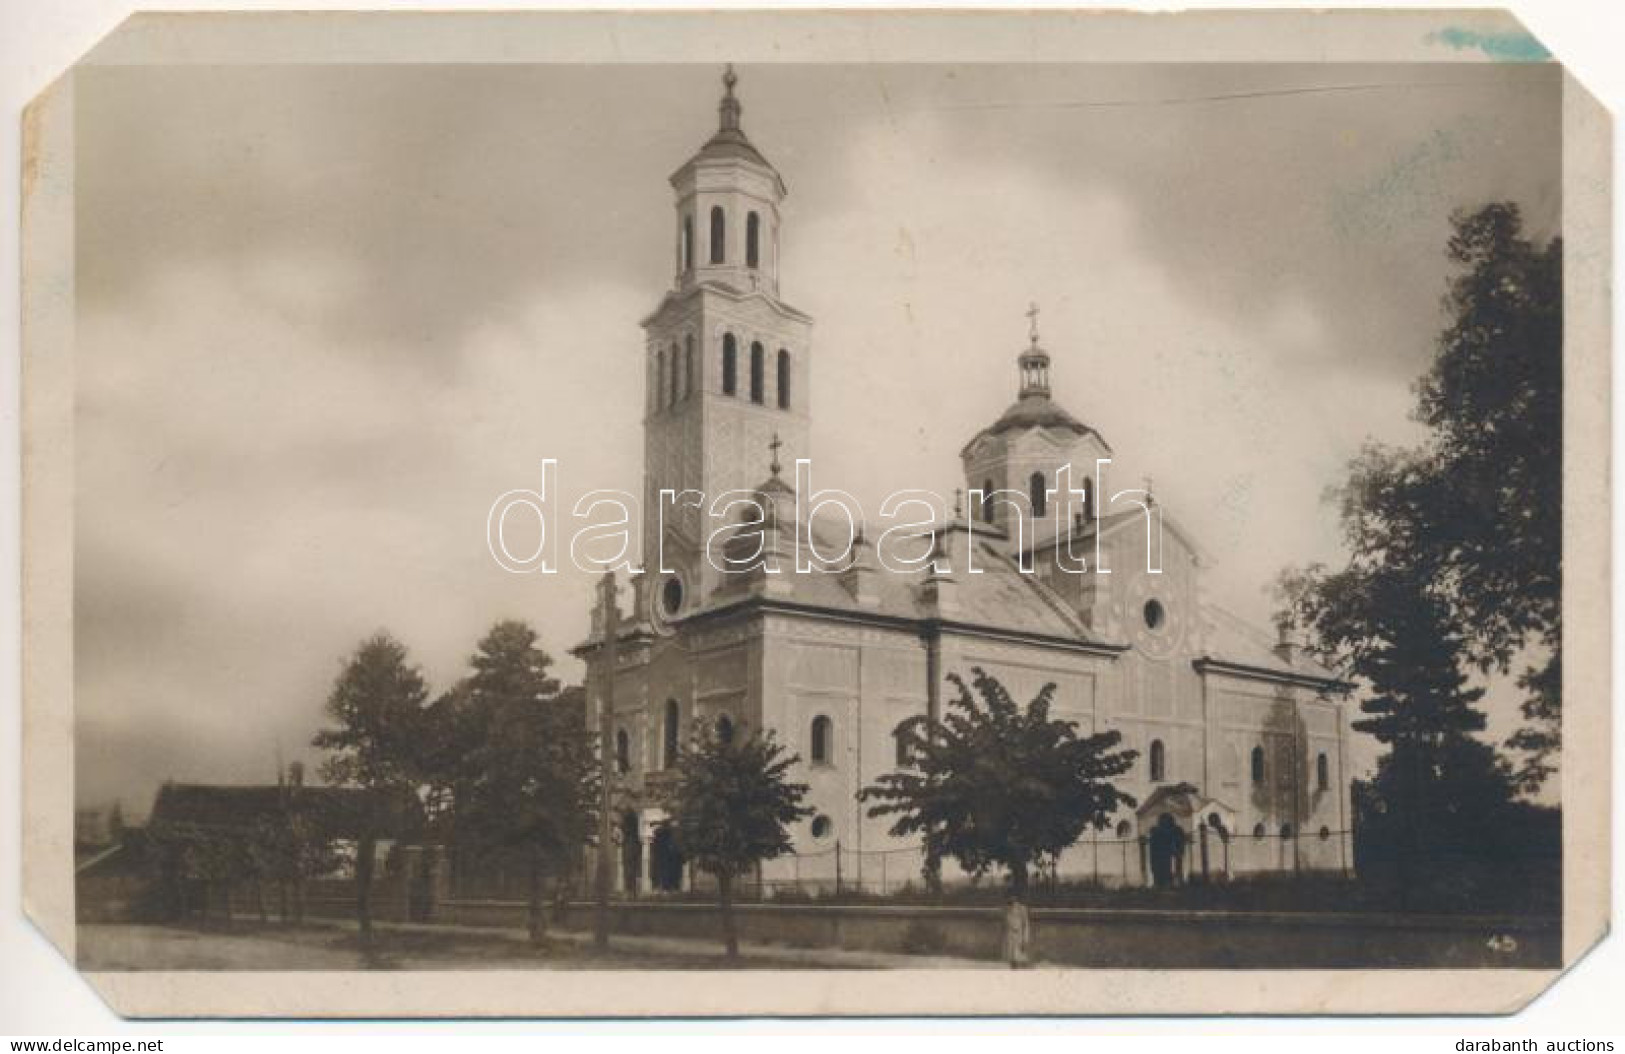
pixel 688 243
pixel 1037 493
pixel 1088 499
pixel 730 365
pixel 1323 776
pixel 719 235
pixel 987 501
pixel 1159 761
pixel 784 379
pixel 821 730
pixel 660 379
pixel 1258 764
pixel 905 752
pixel 623 752
pixel 725 729
pixel 758 369
pixel 753 234
pixel 676 375
pixel 688 365
pixel 670 733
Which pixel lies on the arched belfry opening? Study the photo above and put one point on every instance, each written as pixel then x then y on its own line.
pixel 719 235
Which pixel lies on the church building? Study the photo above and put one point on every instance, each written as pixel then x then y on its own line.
pixel 1240 737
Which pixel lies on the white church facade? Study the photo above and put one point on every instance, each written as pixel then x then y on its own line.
pixel 1240 738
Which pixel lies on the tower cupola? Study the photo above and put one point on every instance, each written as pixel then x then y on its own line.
pixel 728 198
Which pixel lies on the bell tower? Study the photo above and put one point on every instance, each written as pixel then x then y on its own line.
pixel 727 361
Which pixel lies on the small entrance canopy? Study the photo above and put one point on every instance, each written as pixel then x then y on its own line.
pixel 1187 806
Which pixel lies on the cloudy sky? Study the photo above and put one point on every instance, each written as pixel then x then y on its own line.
pixel 327 314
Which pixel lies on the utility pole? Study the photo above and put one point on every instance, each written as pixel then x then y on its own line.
pixel 610 622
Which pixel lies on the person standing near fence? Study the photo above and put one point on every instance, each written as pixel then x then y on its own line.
pixel 1018 934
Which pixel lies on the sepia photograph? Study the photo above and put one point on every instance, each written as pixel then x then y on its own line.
pixel 776 513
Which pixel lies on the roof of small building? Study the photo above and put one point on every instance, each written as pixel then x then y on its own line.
pixel 344 810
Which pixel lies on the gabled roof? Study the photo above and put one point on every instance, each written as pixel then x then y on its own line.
pixel 1234 642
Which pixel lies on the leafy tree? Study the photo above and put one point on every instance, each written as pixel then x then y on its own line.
pixel 532 780
pixel 731 807
pixel 1473 517
pixel 1494 400
pixel 994 784
pixel 377 704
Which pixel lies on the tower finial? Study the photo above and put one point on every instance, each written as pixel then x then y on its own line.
pixel 729 109
pixel 1033 362
pixel 774 446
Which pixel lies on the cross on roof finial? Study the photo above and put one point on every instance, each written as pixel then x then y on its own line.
pixel 1149 499
pixel 774 446
pixel 1032 323
pixel 729 109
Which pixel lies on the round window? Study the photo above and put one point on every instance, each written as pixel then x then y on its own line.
pixel 1154 615
pixel 821 826
pixel 671 595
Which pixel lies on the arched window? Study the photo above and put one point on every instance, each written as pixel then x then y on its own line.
pixel 784 379
pixel 623 752
pixel 725 729
pixel 1325 832
pixel 669 751
pixel 1258 830
pixel 676 375
pixel 688 243
pixel 821 729
pixel 905 753
pixel 1323 775
pixel 730 365
pixel 1036 493
pixel 758 370
pixel 1258 764
pixel 1159 761
pixel 1088 499
pixel 1123 829
pixel 987 501
pixel 753 233
pixel 719 235
pixel 688 365
pixel 660 379
pixel 1286 830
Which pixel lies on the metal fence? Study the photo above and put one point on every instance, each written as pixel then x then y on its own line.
pixel 1107 861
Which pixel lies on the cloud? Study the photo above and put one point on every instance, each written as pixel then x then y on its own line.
pixel 328 314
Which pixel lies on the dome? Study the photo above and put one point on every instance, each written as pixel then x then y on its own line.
pixel 1036 411
pixel 730 144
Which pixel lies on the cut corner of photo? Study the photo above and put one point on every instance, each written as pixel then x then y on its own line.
pixel 525 512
